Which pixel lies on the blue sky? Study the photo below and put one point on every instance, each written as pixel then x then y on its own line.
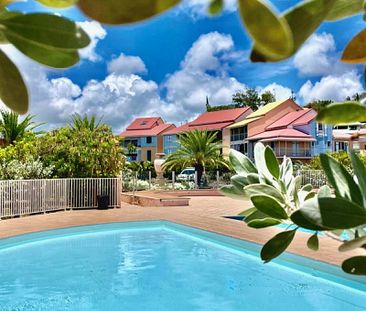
pixel 168 65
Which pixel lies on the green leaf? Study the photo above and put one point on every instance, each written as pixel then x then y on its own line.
pixel 216 7
pixel 46 29
pixel 307 188
pixel 269 206
pixel 57 3
pixel 271 162
pixel 277 245
pixel 344 8
pixel 305 18
pixel 342 113
pixel 13 91
pixel 124 11
pixel 232 192
pixel 352 244
pixel 271 34
pixel 324 192
pixel 241 163
pixel 355 51
pixel 286 171
pixel 260 161
pixel 248 212
pixel 260 189
pixel 298 218
pixel 340 179
pixel 256 215
pixel 239 182
pixel 359 170
pixel 263 223
pixel 355 265
pixel 43 54
pixel 334 213
pixel 313 242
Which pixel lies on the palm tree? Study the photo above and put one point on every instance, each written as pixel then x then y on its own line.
pixel 199 149
pixel 79 122
pixel 11 129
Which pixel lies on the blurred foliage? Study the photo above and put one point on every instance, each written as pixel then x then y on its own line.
pixel 342 157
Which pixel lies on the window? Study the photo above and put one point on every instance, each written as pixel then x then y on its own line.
pixel 143 123
pixel 329 143
pixel 148 155
pixel 239 133
pixel 148 139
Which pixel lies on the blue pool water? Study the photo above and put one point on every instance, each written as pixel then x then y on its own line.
pixel 161 266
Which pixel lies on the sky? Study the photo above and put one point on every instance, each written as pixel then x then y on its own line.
pixel 166 67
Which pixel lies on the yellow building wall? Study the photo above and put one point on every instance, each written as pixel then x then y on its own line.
pixel 144 153
pixel 225 142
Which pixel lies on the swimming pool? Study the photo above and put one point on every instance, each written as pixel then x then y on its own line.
pixel 162 266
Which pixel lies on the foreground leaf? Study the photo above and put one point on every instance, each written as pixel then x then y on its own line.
pixel 313 242
pixel 298 219
pixel 260 189
pixel 334 213
pixel 13 91
pixel 355 51
pixel 263 223
pixel 359 170
pixel 353 244
pixel 277 245
pixel 355 265
pixel 58 3
pixel 269 206
pixel 324 192
pixel 342 113
pixel 344 8
pixel 271 33
pixel 43 54
pixel 272 162
pixel 340 179
pixel 46 29
pixel 124 11
pixel 216 7
pixel 241 163
pixel 248 212
pixel 232 192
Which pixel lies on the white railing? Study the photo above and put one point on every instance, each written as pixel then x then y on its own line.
pixel 25 197
pixel 316 178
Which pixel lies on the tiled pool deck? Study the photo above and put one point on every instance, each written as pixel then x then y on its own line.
pixel 204 213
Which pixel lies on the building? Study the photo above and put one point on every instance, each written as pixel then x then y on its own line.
pixel 349 137
pixel 214 121
pixel 143 138
pixel 287 127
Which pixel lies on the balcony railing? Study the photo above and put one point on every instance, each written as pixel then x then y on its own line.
pixel 302 153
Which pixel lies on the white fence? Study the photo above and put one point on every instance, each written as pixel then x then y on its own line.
pixel 25 197
pixel 316 178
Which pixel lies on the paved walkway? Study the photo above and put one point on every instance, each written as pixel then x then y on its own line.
pixel 204 213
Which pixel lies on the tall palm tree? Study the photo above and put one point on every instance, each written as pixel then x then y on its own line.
pixel 199 149
pixel 79 122
pixel 11 129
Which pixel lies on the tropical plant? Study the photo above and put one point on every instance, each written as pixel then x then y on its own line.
pixel 79 122
pixel 86 153
pixel 278 197
pixel 26 169
pixel 276 37
pixel 198 149
pixel 12 129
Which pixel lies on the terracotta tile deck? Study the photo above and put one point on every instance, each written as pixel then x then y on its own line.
pixel 204 213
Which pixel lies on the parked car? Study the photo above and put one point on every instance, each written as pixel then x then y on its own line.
pixel 187 174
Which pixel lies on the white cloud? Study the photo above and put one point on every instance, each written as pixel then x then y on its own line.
pixel 318 57
pixel 203 73
pixel 332 87
pixel 124 64
pixel 199 8
pixel 96 33
pixel 281 92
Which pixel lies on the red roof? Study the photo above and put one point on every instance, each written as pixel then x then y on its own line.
pixel 293 118
pixel 283 134
pixel 211 121
pixel 144 123
pixel 221 116
pixel 156 130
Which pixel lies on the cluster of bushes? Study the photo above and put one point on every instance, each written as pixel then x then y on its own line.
pixel 342 157
pixel 63 153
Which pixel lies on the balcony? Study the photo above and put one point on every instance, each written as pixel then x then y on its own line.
pixel 289 152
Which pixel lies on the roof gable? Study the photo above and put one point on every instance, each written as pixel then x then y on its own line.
pixel 220 116
pixel 302 116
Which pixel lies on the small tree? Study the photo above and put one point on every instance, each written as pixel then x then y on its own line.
pixel 79 122
pixel 199 149
pixel 251 98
